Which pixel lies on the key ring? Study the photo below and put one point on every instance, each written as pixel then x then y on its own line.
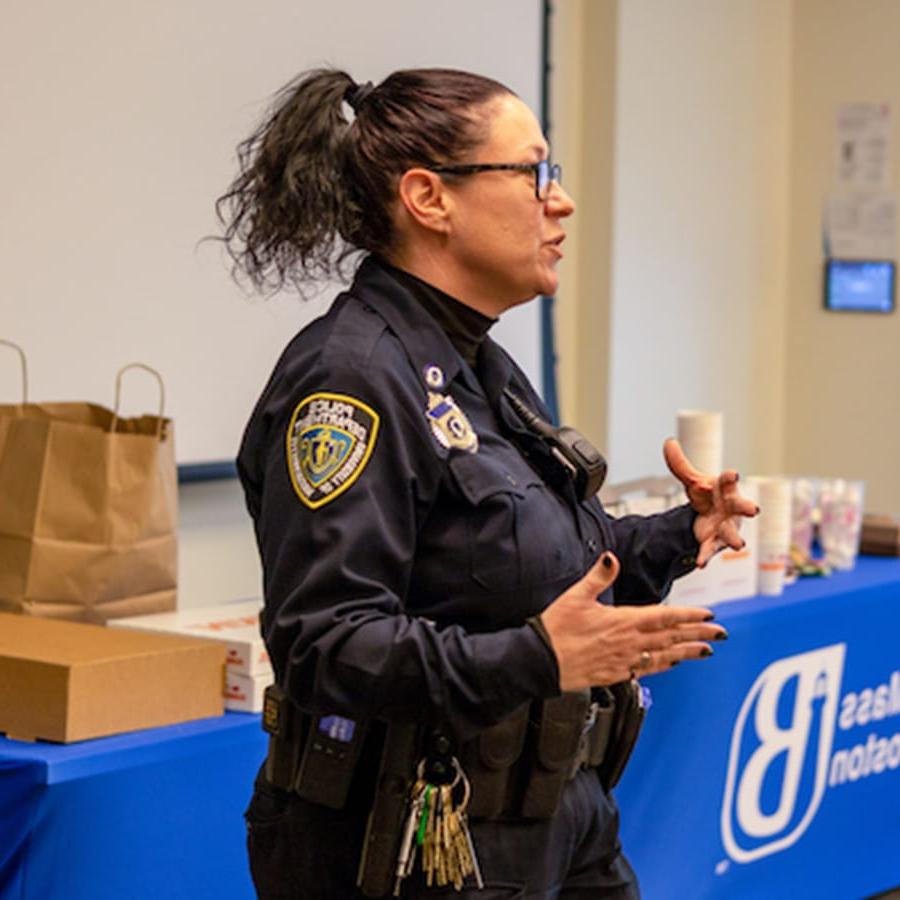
pixel 458 773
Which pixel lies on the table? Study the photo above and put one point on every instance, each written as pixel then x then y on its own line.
pixel 772 770
pixel 765 772
pixel 151 814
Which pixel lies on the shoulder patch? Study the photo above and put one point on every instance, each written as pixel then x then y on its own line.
pixel 329 441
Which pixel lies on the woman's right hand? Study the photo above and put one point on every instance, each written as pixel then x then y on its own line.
pixel 598 645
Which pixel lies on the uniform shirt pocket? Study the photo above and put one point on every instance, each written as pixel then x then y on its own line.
pixel 520 533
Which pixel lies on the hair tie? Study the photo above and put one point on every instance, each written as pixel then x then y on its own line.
pixel 357 93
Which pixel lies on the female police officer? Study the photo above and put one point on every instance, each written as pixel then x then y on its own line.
pixel 431 567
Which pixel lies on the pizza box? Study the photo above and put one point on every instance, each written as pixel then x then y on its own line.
pixel 244 693
pixel 234 624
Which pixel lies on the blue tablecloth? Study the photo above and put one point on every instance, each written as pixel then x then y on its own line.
pixel 151 814
pixel 772 770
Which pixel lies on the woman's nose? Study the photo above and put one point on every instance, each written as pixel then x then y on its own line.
pixel 558 202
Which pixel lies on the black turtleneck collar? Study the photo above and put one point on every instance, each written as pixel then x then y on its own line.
pixel 466 327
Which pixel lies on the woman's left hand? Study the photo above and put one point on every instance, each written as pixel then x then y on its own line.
pixel 718 504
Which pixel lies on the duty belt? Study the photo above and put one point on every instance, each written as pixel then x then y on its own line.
pixel 517 768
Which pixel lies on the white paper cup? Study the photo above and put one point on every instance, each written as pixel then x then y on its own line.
pixel 772 563
pixel 773 532
pixel 700 435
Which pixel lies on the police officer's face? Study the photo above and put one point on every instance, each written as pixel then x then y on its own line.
pixel 508 240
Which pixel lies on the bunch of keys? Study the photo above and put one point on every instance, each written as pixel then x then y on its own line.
pixel 441 830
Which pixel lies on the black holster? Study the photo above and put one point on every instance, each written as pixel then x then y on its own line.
pixel 625 728
pixel 381 845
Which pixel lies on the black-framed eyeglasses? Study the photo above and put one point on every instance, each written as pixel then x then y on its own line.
pixel 545 172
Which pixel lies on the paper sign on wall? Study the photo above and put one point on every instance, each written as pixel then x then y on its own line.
pixel 863 151
pixel 861 211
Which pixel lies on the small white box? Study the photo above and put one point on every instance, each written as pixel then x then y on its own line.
pixel 739 569
pixel 697 588
pixel 234 624
pixel 729 575
pixel 244 693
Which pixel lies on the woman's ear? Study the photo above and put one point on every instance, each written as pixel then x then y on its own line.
pixel 426 199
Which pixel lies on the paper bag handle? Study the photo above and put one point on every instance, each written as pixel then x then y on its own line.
pixel 24 362
pixel 162 394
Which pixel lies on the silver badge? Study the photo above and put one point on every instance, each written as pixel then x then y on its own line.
pixel 449 424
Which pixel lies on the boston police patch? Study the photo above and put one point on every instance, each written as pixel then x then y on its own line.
pixel 329 442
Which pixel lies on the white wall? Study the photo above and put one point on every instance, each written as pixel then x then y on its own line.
pixel 699 227
pixel 120 122
pixel 843 375
pixel 217 557
pixel 582 129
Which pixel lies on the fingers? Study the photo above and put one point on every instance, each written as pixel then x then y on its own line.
pixel 681 653
pixel 708 549
pixel 684 634
pixel 728 482
pixel 656 618
pixel 679 465
pixel 601 575
pixel 742 506
pixel 730 535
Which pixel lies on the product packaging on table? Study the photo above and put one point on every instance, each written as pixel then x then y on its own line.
pixel 67 681
pixel 248 670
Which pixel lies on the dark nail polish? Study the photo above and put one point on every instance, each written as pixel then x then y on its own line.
pixel 709 617
pixel 706 652
pixel 743 544
pixel 676 663
pixel 721 636
pixel 757 510
pixel 737 477
pixel 607 560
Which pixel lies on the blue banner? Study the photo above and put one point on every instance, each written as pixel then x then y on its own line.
pixel 773 769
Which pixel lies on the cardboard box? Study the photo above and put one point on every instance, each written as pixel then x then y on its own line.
pixel 244 693
pixel 880 535
pixel 235 624
pixel 66 681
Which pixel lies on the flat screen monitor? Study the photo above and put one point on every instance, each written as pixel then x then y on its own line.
pixel 858 285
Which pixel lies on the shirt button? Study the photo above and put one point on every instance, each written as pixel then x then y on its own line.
pixel 511 480
pixel 592 545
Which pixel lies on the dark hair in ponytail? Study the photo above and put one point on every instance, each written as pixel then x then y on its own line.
pixel 314 188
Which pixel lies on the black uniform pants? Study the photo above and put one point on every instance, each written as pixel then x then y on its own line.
pixel 303 851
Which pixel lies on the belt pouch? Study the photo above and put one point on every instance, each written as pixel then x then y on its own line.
pixel 559 733
pixel 284 724
pixel 488 760
pixel 627 722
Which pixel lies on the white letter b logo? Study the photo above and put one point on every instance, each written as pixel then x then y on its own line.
pixel 778 762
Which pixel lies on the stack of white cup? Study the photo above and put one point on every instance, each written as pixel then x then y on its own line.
pixel 700 436
pixel 841 503
pixel 774 534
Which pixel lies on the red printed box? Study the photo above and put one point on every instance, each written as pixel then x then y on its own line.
pixel 234 624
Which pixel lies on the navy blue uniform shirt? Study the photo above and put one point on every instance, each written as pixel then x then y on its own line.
pixel 409 525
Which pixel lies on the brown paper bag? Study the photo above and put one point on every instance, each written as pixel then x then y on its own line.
pixel 88 510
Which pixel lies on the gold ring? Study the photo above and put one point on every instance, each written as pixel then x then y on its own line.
pixel 645 659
